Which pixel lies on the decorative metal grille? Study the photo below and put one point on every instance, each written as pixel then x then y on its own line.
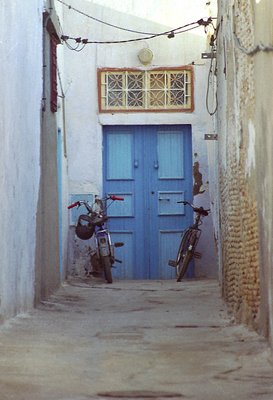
pixel 131 90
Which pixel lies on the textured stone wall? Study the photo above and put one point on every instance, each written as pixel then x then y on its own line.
pixel 240 246
pixel 238 207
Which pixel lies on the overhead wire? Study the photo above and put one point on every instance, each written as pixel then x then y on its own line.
pixel 103 22
pixel 212 71
pixel 253 50
pixel 86 41
pixel 149 35
pixel 68 45
pixel 81 43
pixel 75 48
pixel 170 34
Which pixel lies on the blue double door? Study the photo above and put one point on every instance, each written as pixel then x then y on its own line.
pixel 151 167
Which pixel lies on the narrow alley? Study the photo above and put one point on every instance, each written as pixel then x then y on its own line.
pixel 133 340
pixel 167 107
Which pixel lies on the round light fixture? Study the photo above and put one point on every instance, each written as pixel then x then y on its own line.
pixel 145 56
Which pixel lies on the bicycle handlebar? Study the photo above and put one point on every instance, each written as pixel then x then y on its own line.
pixel 199 210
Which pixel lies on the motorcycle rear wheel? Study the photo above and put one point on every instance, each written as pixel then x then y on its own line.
pixel 107 265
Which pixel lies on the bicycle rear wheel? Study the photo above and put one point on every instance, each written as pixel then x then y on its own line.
pixel 183 246
pixel 183 265
pixel 185 253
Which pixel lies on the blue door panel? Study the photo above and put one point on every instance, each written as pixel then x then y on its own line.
pixel 151 167
pixel 125 269
pixel 168 245
pixel 167 203
pixel 170 152
pixel 119 167
pixel 123 208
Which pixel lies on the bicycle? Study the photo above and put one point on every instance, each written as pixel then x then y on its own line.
pixel 93 223
pixel 190 238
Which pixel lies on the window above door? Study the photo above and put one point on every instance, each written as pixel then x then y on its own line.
pixel 123 90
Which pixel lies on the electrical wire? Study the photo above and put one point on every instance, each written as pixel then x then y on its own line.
pixel 151 35
pixel 76 48
pixel 86 41
pixel 253 50
pixel 62 95
pixel 170 34
pixel 186 30
pixel 103 22
pixel 212 71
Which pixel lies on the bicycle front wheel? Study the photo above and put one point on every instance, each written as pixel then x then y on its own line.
pixel 107 268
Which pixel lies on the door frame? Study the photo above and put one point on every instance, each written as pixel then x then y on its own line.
pixel 187 130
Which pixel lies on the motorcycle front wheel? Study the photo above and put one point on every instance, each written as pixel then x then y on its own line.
pixel 107 268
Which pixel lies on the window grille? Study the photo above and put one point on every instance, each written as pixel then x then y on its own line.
pixel 154 90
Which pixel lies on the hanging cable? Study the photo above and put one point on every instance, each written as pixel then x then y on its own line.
pixel 253 50
pixel 202 21
pixel 212 72
pixel 170 34
pixel 103 22
pixel 86 41
pixel 77 47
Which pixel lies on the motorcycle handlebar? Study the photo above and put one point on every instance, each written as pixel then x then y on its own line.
pixel 78 203
pixel 113 197
pixel 73 205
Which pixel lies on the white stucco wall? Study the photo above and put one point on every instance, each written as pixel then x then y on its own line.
pixel 20 101
pixel 84 124
pixel 63 176
pixel 263 64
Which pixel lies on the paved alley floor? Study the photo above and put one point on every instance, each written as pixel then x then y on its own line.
pixel 133 340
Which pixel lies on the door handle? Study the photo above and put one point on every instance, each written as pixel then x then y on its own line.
pixel 156 165
pixel 163 198
pixel 136 164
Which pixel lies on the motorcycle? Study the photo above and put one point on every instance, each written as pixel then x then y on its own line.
pixel 94 223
